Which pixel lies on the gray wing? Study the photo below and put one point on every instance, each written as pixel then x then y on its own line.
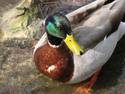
pixel 99 24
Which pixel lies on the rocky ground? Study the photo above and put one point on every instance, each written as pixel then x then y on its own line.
pixel 7 4
pixel 18 74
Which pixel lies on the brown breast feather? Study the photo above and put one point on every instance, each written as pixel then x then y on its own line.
pixel 56 63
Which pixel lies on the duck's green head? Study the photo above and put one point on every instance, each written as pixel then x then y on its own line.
pixel 57 25
pixel 58 29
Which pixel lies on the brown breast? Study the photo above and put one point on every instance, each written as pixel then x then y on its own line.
pixel 56 63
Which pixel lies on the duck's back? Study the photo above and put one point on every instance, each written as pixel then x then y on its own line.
pixel 100 24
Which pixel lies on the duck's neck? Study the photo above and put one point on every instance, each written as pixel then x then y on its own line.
pixel 54 41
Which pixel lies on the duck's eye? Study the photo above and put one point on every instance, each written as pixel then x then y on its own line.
pixel 64 28
pixel 61 27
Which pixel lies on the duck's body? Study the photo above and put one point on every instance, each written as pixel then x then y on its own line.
pixel 97 38
pixel 89 62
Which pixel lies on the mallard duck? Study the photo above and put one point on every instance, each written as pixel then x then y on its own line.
pixel 73 55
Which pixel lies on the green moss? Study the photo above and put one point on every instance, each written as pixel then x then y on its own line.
pixel 18 23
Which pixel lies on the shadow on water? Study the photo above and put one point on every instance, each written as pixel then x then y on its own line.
pixel 113 69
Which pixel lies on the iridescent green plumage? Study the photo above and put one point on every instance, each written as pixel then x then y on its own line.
pixel 57 25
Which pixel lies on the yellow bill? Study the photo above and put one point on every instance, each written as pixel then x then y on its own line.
pixel 73 45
